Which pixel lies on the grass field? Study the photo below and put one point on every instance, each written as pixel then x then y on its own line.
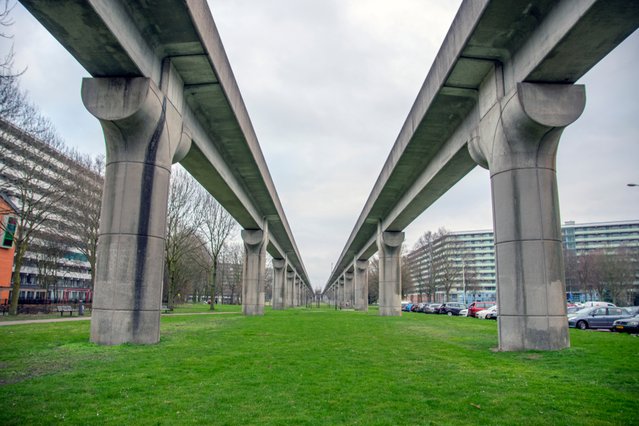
pixel 314 366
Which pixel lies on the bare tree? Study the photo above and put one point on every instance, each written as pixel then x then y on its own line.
pixel 216 227
pixel 197 266
pixel 48 256
pixel 183 222
pixel 268 279
pixel 27 180
pixel 232 265
pixel 446 256
pixel 85 199
pixel 571 268
pixel 373 280
pixel 589 273
pixel 406 278
pixel 618 270
pixel 423 267
pixel 6 63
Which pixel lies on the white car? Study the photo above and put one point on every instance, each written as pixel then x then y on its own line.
pixel 599 304
pixel 463 313
pixel 490 313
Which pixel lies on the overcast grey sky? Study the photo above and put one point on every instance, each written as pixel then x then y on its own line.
pixel 328 85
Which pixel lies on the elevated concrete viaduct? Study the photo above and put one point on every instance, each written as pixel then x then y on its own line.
pixel 164 92
pixel 498 94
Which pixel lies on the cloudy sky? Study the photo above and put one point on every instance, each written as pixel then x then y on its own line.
pixel 328 85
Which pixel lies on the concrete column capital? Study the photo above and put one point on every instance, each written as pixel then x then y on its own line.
pixel 522 130
pixel 390 241
pixel 279 263
pixel 253 238
pixel 139 123
pixel 361 264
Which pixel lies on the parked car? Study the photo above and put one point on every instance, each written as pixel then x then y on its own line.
pixel 596 317
pixel 632 310
pixel 407 307
pixel 597 303
pixel 490 313
pixel 451 308
pixel 573 309
pixel 627 325
pixel 420 307
pixel 463 313
pixel 475 307
pixel 432 308
pixel 404 305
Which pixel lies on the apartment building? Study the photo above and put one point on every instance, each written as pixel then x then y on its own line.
pixel 38 177
pixel 472 260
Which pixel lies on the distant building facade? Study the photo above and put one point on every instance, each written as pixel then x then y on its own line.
pixel 46 275
pixel 474 261
pixel 7 249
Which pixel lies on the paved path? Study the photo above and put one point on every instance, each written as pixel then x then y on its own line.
pixel 69 319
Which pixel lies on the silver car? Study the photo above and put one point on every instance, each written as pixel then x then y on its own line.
pixel 597 317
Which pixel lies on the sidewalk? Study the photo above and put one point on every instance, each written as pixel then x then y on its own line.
pixel 85 318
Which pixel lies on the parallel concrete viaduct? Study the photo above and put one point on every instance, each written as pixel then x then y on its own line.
pixel 499 94
pixel 164 92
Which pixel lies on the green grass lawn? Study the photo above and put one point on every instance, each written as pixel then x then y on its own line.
pixel 314 366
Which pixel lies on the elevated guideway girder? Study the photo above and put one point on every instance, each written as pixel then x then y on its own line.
pixel 171 50
pixel 491 49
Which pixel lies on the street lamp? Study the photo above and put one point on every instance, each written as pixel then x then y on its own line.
pixel 633 184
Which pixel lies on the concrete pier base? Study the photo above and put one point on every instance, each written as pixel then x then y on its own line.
pixel 360 285
pixel 254 270
pixel 279 284
pixel 143 131
pixel 290 283
pixel 517 142
pixel 389 245
pixel 348 290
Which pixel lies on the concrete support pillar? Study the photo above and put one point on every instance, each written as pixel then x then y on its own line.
pixel 341 294
pixel 279 284
pixel 360 285
pixel 144 135
pixel 348 290
pixel 290 283
pixel 294 297
pixel 517 142
pixel 255 242
pixel 389 245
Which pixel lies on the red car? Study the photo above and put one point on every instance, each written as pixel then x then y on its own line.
pixel 475 307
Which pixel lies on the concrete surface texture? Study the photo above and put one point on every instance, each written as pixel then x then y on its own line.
pixel 142 130
pixel 360 285
pixel 279 283
pixel 254 271
pixel 348 289
pixel 517 142
pixel 389 246
pixel 290 279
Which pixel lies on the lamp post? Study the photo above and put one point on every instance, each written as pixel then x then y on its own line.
pixel 632 184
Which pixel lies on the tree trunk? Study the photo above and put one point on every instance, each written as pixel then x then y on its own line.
pixel 213 282
pixel 15 285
